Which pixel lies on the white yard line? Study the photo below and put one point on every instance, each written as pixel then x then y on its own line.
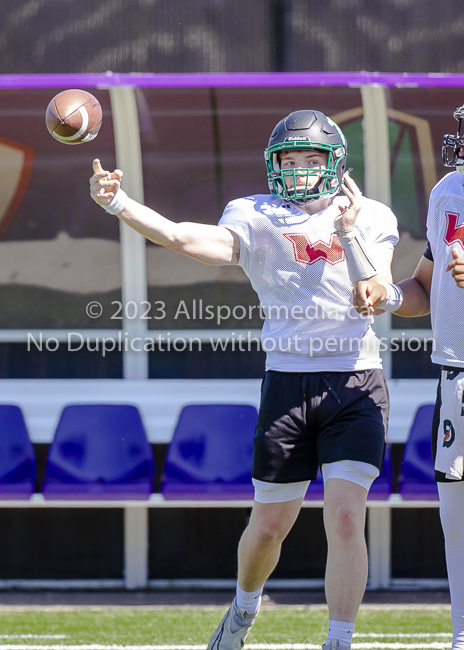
pixel 251 646
pixel 402 635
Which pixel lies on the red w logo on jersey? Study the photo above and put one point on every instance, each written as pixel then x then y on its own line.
pixel 309 253
pixel 453 233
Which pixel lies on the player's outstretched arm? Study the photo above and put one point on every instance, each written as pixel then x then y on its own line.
pixel 213 245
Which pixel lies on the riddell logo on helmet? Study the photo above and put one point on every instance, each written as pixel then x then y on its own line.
pixel 297 137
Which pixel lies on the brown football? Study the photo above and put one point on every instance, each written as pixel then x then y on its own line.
pixel 74 116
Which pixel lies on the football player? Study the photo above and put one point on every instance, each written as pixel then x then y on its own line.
pixel 435 288
pixel 324 400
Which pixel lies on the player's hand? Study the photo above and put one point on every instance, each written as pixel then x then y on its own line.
pixel 456 266
pixel 367 295
pixel 348 213
pixel 104 184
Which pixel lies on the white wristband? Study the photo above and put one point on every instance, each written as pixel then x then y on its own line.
pixel 394 298
pixel 360 265
pixel 118 203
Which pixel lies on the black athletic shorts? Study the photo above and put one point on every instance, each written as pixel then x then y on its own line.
pixel 440 477
pixel 307 419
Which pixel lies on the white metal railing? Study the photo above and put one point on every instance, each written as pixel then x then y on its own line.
pixel 136 538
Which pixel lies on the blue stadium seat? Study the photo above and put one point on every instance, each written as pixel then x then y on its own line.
pixel 417 474
pixel 99 451
pixel 210 454
pixel 380 490
pixel 17 458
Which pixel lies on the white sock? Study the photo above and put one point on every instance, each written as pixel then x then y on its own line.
pixel 341 631
pixel 452 520
pixel 248 600
pixel 458 631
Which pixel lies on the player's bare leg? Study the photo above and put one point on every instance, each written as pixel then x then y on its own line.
pixel 259 548
pixel 452 520
pixel 346 573
pixel 258 554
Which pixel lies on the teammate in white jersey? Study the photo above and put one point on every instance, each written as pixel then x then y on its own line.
pixel 324 399
pixel 436 287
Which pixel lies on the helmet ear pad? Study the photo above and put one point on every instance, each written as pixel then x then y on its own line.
pixel 301 130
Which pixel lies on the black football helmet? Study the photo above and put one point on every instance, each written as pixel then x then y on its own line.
pixel 306 130
pixel 452 144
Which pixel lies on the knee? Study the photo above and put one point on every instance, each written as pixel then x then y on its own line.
pixel 270 523
pixel 344 510
pixel 268 532
pixel 346 524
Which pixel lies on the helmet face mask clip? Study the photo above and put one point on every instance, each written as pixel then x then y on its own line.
pixel 300 131
pixel 453 145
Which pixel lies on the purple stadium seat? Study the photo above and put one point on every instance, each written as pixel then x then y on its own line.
pixel 99 451
pixel 210 454
pixel 17 458
pixel 381 488
pixel 417 473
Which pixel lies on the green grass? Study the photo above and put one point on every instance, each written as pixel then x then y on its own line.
pixel 193 626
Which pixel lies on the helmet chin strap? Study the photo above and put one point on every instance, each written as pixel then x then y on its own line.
pixel 309 199
pixel 304 202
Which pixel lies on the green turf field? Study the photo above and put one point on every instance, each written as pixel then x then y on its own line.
pixel 185 628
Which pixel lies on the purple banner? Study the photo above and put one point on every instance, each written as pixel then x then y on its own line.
pixel 231 80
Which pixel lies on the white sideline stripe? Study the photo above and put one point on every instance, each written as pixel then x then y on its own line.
pixel 396 646
pixel 399 635
pixel 258 646
pixel 251 646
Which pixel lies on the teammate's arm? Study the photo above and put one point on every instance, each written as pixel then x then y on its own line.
pixel 416 291
pixel 213 245
pixel 384 273
pixel 456 266
pixel 365 288
pixel 369 295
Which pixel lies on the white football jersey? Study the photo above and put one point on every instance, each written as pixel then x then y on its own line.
pixel 445 231
pixel 297 267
